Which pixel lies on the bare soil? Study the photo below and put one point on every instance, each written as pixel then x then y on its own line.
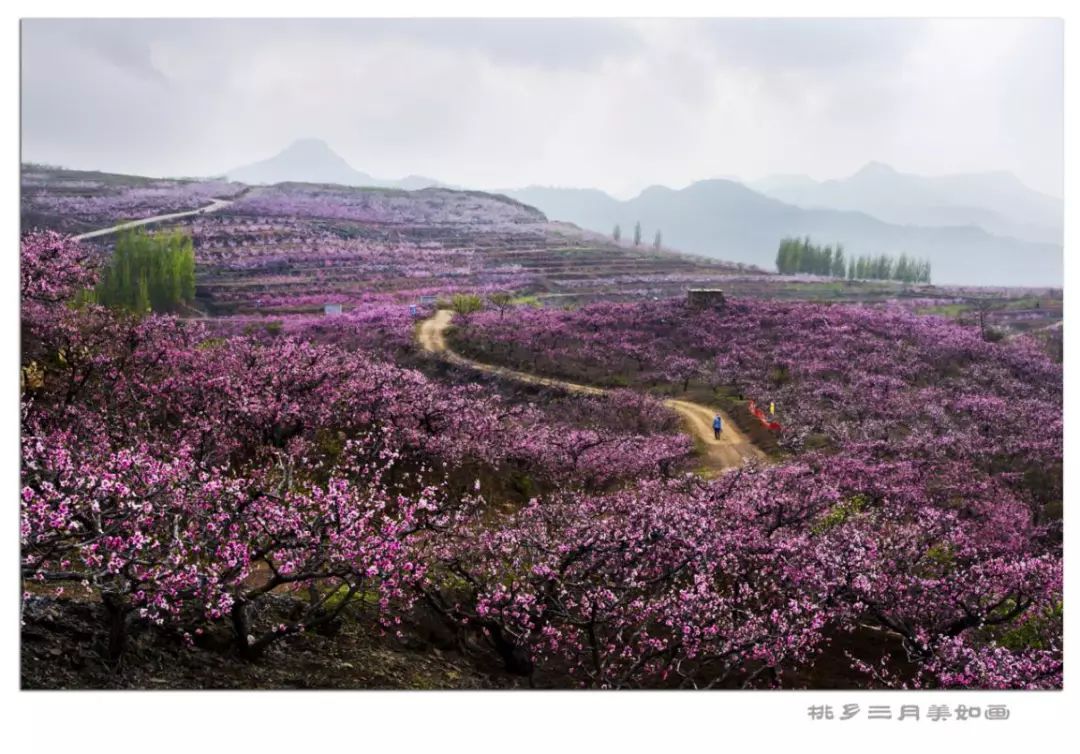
pixel 63 647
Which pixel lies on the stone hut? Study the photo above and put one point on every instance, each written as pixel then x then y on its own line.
pixel 705 298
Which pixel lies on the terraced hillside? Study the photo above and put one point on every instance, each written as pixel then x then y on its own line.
pixel 77 201
pixel 296 247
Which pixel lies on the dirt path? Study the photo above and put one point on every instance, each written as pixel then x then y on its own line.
pixel 214 206
pixel 1045 328
pixel 730 450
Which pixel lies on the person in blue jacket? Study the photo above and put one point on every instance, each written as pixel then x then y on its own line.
pixel 717 426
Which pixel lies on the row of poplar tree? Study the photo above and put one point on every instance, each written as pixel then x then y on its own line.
pixel 148 272
pixel 617 235
pixel 799 255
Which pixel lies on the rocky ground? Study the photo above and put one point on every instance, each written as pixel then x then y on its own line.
pixel 63 648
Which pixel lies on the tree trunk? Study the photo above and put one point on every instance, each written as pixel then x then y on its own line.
pixel 241 629
pixel 118 615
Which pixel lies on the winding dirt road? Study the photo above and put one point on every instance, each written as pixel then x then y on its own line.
pixel 214 206
pixel 1045 328
pixel 730 450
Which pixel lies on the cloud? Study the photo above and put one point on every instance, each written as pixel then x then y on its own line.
pixel 617 104
pixel 813 44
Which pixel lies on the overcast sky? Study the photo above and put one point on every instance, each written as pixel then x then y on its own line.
pixel 617 105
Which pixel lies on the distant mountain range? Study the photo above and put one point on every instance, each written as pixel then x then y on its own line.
pixel 976 229
pixel 313 161
pixel 728 220
pixel 996 202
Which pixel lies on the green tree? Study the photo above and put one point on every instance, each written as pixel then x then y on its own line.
pixel 783 256
pixel 800 255
pixel 149 272
pixel 839 267
pixel 466 304
pixel 502 301
pixel 884 267
pixel 637 233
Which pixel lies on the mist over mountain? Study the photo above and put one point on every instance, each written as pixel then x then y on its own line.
pixel 313 161
pixel 727 220
pixel 977 229
pixel 996 202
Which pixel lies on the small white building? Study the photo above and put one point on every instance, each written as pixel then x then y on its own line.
pixel 331 310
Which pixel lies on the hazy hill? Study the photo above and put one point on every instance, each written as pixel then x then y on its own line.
pixel 996 202
pixel 313 161
pixel 727 220
pixel 588 208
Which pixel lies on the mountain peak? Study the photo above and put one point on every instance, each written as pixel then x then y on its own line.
pixel 875 169
pixel 309 144
pixel 717 187
pixel 312 160
pixel 656 190
pixel 305 160
pixel 310 149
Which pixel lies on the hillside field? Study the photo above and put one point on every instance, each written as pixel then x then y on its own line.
pixel 434 439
